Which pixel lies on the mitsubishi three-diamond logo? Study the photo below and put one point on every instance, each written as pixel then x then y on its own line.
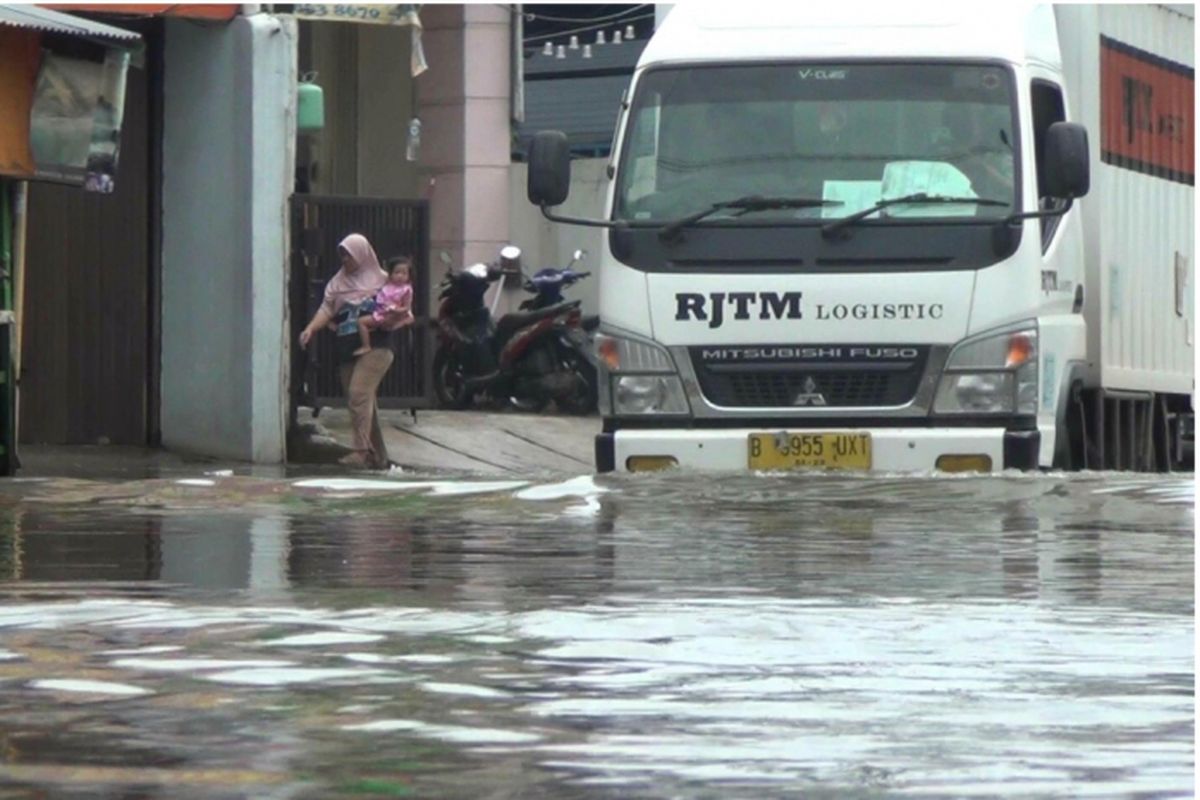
pixel 810 396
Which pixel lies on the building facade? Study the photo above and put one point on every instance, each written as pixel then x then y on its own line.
pixel 162 315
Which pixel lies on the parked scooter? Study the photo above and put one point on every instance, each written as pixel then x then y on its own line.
pixel 547 285
pixel 517 360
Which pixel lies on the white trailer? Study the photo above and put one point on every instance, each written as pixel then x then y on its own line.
pixel 1131 73
pixel 955 238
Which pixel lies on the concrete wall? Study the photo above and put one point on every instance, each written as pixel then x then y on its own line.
pixel 228 157
pixel 465 106
pixel 385 106
pixel 364 71
pixel 550 244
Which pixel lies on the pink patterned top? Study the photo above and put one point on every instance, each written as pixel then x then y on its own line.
pixel 393 305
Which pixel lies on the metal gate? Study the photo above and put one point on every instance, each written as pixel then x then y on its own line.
pixel 394 227
pixel 89 343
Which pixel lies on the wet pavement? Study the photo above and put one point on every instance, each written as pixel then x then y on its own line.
pixel 474 442
pixel 223 632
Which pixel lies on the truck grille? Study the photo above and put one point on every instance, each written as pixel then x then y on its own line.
pixel 806 383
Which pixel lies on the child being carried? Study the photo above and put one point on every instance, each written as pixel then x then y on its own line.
pixel 392 308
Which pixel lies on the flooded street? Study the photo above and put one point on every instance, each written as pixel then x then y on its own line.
pixel 673 636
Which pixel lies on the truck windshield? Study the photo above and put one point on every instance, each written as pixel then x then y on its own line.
pixel 852 134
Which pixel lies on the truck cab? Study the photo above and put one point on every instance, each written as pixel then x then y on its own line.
pixel 838 242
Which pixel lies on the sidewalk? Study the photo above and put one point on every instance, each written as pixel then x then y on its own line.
pixel 476 442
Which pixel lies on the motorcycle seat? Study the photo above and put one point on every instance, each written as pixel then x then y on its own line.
pixel 513 322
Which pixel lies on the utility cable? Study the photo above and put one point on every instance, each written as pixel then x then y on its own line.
pixel 532 15
pixel 560 34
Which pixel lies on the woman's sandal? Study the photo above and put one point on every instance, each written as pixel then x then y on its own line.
pixel 354 459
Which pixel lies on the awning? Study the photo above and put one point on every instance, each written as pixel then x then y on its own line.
pixel 47 21
pixel 211 11
pixel 62 115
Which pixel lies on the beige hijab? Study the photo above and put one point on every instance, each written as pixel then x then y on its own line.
pixel 357 285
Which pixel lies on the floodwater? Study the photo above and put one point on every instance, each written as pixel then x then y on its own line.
pixel 670 636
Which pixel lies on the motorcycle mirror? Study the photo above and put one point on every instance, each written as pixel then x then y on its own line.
pixel 510 259
pixel 444 257
pixel 579 254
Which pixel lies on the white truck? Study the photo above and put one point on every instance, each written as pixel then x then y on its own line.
pixel 948 237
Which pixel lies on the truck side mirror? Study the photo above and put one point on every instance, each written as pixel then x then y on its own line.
pixel 549 168
pixel 1068 169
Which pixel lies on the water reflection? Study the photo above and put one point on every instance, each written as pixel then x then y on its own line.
pixel 46 545
pixel 373 553
pixel 1021 538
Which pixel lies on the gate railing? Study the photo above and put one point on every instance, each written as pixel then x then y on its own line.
pixel 394 227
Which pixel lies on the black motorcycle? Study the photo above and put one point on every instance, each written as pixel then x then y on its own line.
pixel 520 360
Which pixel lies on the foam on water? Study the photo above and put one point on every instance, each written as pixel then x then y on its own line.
pixel 142 651
pixel 476 487
pixel 583 486
pixel 321 639
pixel 195 664
pixel 282 676
pixel 363 485
pixel 450 733
pixel 89 687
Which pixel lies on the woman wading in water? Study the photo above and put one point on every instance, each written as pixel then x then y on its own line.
pixel 358 280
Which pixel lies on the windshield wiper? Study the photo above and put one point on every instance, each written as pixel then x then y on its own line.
pixel 744 205
pixel 919 197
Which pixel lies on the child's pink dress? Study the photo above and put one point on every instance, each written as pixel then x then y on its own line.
pixel 390 299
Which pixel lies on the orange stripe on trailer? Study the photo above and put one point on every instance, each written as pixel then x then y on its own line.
pixel 1147 112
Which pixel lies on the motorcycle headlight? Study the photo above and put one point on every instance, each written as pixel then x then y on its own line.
pixel 993 374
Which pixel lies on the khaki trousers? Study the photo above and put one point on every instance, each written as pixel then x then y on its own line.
pixel 360 382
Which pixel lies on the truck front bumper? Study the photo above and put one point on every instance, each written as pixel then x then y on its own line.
pixel 892 449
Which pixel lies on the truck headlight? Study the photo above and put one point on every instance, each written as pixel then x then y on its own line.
pixel 620 354
pixel 648 394
pixel 642 377
pixel 992 374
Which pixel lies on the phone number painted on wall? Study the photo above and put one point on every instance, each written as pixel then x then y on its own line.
pixel 404 14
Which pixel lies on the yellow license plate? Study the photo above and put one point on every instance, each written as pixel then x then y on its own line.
pixel 784 450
